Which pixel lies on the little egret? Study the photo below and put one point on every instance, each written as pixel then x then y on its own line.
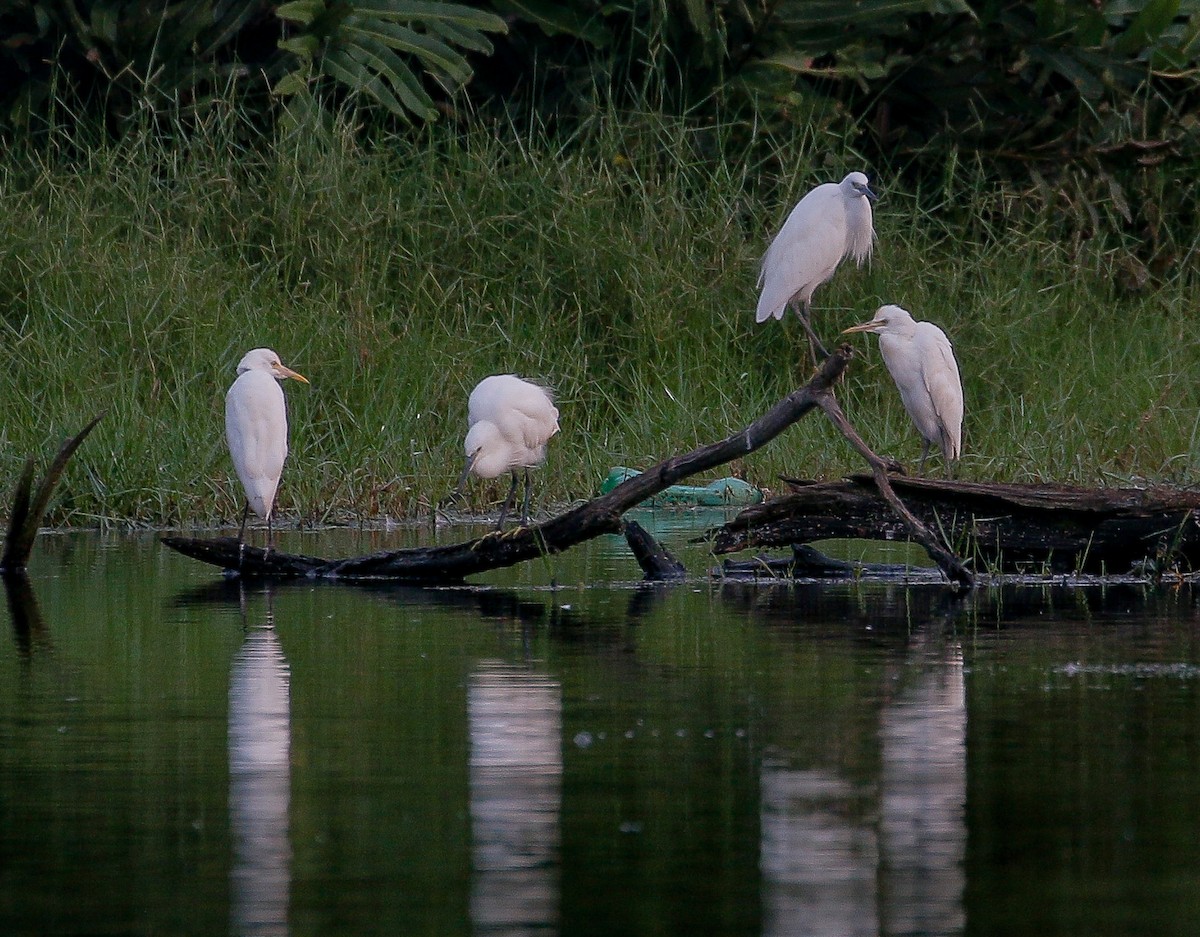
pixel 256 430
pixel 509 422
pixel 831 223
pixel 919 357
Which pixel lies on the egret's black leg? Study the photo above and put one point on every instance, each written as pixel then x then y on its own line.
pixel 525 510
pixel 924 456
pixel 803 310
pixel 508 502
pixel 242 535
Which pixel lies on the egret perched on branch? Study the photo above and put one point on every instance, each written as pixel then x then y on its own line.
pixel 922 364
pixel 831 223
pixel 509 422
pixel 256 430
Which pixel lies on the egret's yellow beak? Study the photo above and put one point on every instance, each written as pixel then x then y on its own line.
pixel 284 372
pixel 861 327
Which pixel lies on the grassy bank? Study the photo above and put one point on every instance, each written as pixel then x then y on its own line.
pixel 619 269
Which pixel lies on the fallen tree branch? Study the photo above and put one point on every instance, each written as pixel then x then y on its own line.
pixel 950 564
pixel 601 515
pixel 1006 528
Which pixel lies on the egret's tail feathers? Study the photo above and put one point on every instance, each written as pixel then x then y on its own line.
pixel 951 448
pixel 261 506
pixel 765 312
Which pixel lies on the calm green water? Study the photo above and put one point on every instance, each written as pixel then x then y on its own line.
pixel 180 756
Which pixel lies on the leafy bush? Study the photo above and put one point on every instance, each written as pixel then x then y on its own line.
pixel 1076 104
pixel 1081 109
pixel 114 57
pixel 1018 79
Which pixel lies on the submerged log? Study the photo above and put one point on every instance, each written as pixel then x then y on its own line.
pixel 997 527
pixel 809 563
pixel 601 515
pixel 657 562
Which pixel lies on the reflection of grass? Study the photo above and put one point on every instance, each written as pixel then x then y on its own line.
pixel 395 277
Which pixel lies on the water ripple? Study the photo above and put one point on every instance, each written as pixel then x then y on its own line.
pixel 1179 671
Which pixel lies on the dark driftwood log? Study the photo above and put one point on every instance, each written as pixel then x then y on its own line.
pixel 601 515
pixel 1003 527
pixel 657 562
pixel 28 506
pixel 809 563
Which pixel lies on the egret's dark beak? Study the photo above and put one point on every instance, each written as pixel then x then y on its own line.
pixel 462 479
pixel 866 190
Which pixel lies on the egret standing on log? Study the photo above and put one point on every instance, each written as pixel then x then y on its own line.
pixel 256 430
pixel 919 357
pixel 831 223
pixel 509 422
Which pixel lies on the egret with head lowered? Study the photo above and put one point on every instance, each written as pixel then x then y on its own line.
pixel 921 361
pixel 256 430
pixel 831 223
pixel 509 422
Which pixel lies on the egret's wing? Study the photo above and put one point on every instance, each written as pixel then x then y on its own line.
pixel 805 253
pixel 535 427
pixel 945 387
pixel 256 430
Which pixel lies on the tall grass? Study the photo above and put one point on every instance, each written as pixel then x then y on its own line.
pixel 618 267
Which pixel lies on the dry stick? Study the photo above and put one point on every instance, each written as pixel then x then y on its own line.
pixel 947 561
pixel 598 516
pixel 29 506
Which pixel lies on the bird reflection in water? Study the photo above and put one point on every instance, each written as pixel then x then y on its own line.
pixel 923 824
pixel 846 859
pixel 260 783
pixel 516 796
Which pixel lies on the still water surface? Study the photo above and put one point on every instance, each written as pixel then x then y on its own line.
pixel 181 755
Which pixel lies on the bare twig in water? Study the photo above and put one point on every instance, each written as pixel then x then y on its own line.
pixel 28 507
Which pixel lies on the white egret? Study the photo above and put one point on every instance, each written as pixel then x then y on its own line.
pixel 919 357
pixel 509 422
pixel 256 430
pixel 831 223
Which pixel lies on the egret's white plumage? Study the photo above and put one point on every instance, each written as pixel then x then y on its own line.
pixel 256 429
pixel 831 223
pixel 509 422
pixel 921 361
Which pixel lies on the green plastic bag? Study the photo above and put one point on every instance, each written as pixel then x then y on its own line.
pixel 722 492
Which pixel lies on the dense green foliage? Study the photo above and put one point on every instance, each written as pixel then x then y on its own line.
pixel 619 269
pixel 116 58
pixel 1086 107
pixel 1115 80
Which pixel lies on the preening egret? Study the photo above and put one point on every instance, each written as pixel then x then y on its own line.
pixel 256 430
pixel 922 364
pixel 509 422
pixel 831 223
